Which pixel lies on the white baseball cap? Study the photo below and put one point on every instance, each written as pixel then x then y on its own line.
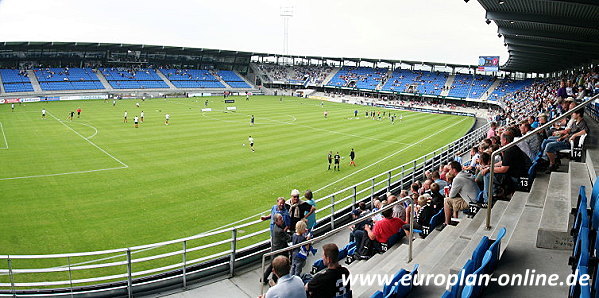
pixel 295 192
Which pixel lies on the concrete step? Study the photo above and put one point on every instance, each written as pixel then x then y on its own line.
pixel 553 231
pixel 592 163
pixel 165 79
pixel 538 192
pixel 472 224
pixel 508 220
pixel 579 175
pixel 391 263
pixel 34 82
pixel 365 266
pixel 496 215
pixel 447 85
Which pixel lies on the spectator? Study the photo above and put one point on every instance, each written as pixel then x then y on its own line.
pixel 437 196
pixel 492 130
pixel 298 209
pixel 463 191
pixel 329 283
pixel 578 129
pixel 533 143
pixel 423 213
pixel 279 240
pixel 436 177
pixel 298 255
pixel 357 231
pixel 384 228
pixel 288 285
pixel 279 208
pixel 310 215
pixel 514 164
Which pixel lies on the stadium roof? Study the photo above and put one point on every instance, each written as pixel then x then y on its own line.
pixel 546 35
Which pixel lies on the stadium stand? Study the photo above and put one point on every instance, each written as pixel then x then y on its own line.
pixel 15 80
pixel 133 78
pixel 480 85
pixel 509 86
pixel 192 78
pixel 297 74
pixel 423 82
pixel 55 79
pixel 358 77
pixel 232 79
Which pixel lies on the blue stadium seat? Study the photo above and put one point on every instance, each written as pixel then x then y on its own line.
pixel 495 249
pixel 377 294
pixel 581 211
pixel 456 290
pixel 578 290
pixel 581 252
pixel 393 282
pixel 595 192
pixel 479 251
pixel 403 290
pixel 476 289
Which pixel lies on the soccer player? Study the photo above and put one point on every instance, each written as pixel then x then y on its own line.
pixel 43 113
pixel 251 140
pixel 337 159
pixel 252 121
pixel 12 106
pixel 400 117
pixel 135 121
pixel 247 96
pixel 206 103
pixel 125 117
pixel 71 115
pixel 141 116
pixel 166 117
pixel 356 114
pixel 113 102
pixel 137 104
pixel 352 155
pixel 330 158
pixel 78 112
pixel 326 114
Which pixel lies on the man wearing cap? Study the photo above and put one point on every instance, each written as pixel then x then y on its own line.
pixel 298 208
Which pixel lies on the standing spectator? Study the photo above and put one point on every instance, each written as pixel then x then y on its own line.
pixel 310 216
pixel 329 283
pixel 299 255
pixel 279 208
pixel 279 240
pixel 298 208
pixel 288 285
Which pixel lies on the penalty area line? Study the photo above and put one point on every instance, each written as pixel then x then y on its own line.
pixel 61 174
pixel 91 143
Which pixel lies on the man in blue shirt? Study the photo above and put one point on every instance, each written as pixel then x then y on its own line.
pixel 280 208
pixel 288 286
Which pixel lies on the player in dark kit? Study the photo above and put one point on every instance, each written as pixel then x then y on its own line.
pixel 337 159
pixel 252 121
pixel 356 114
pixel 352 155
pixel 330 158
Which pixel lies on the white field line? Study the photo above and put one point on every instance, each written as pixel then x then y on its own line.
pixel 90 126
pixel 91 143
pixel 256 216
pixel 60 174
pixel 391 155
pixel 4 135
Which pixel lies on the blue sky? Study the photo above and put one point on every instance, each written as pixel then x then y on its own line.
pixel 429 30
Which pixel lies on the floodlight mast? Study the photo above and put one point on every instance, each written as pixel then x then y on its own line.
pixel 286 13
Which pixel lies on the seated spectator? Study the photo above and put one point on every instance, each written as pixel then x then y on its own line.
pixel 357 231
pixel 383 229
pixel 463 192
pixel 426 186
pixel 579 128
pixel 533 143
pixel 514 164
pixel 399 210
pixel 423 213
pixel 279 208
pixel 329 283
pixel 287 285
pixel 279 240
pixel 376 206
pixel 437 198
pixel 436 177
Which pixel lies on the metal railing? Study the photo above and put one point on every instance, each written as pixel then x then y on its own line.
pixel 126 271
pixel 537 131
pixel 343 227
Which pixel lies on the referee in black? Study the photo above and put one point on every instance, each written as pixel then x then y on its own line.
pixel 330 158
pixel 337 159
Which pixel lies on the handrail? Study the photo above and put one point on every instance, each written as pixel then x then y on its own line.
pixel 515 143
pixel 333 231
pixel 348 196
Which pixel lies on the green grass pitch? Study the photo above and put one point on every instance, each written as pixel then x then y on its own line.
pixel 97 183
